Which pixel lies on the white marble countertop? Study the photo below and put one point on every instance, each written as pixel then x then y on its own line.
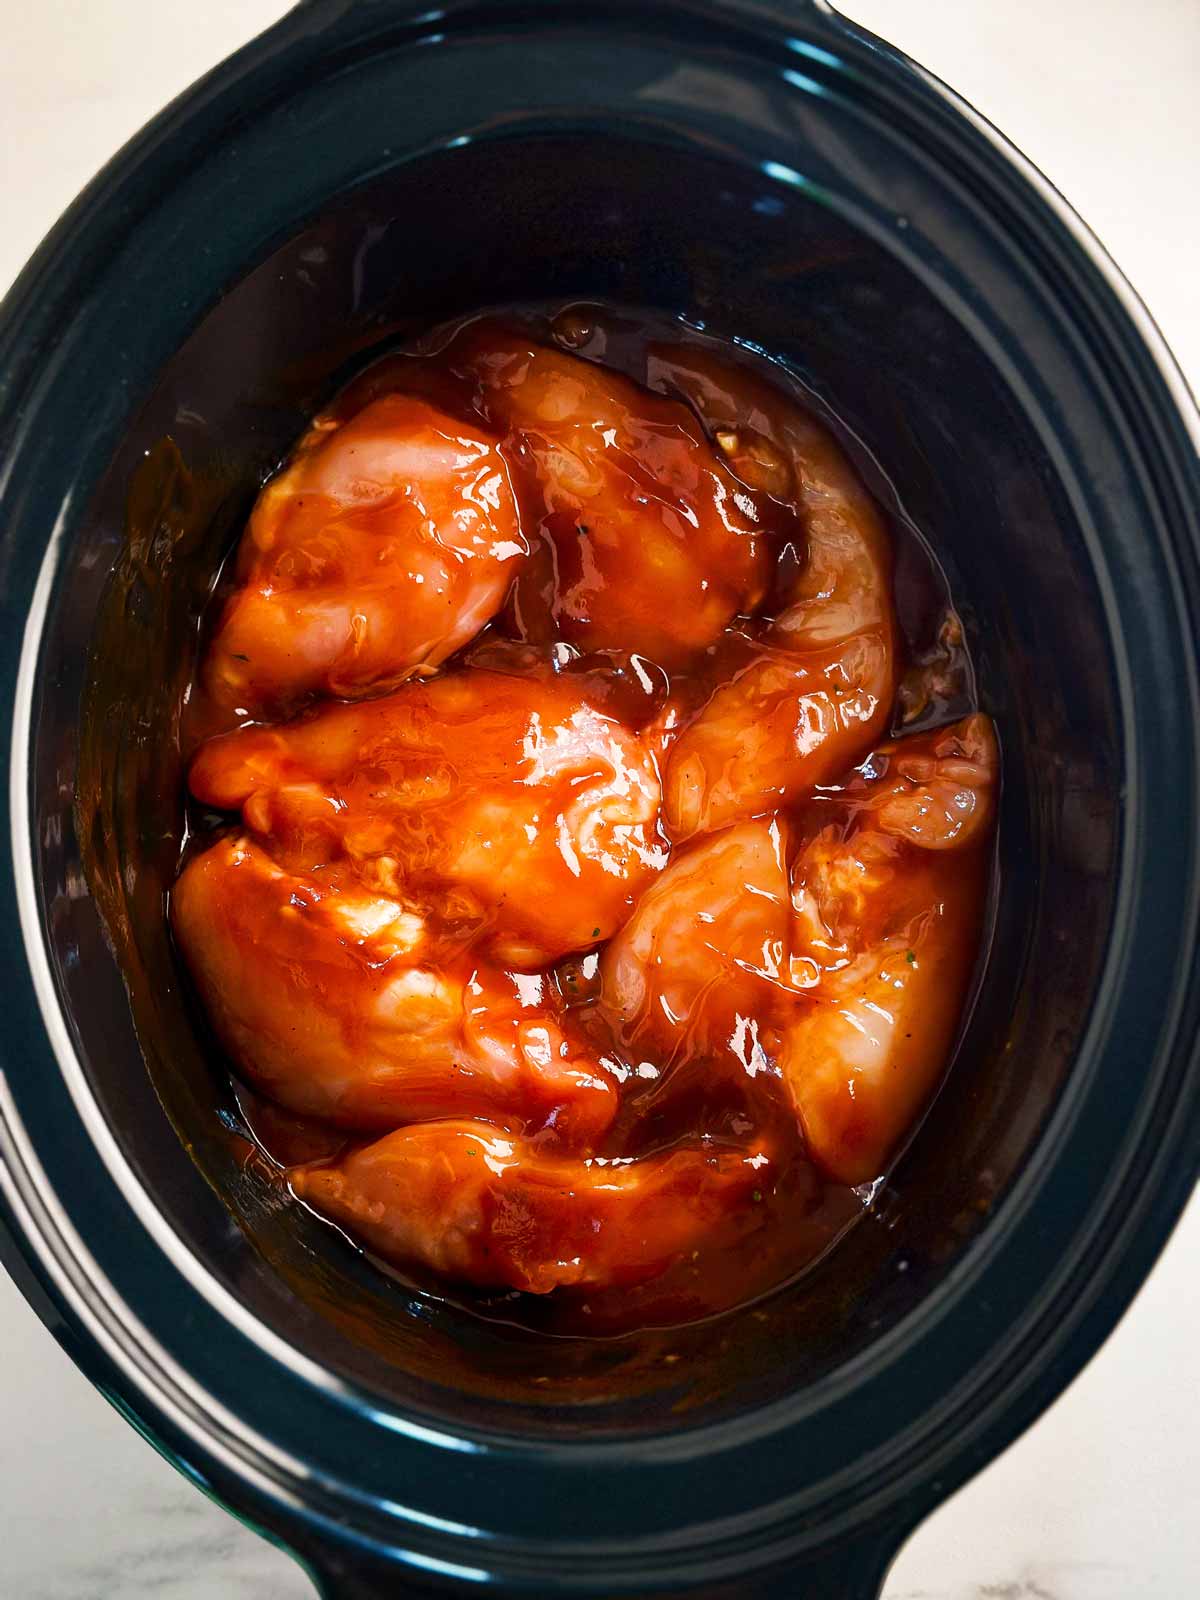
pixel 1098 1500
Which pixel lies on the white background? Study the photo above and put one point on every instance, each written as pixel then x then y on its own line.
pixel 1099 1500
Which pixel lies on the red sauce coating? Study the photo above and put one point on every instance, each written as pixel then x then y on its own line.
pixel 505 809
pixel 387 543
pixel 584 926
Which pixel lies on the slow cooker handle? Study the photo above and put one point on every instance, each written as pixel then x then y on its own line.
pixel 852 1570
pixel 780 12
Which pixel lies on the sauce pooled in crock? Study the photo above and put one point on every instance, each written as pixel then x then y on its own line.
pixel 606 819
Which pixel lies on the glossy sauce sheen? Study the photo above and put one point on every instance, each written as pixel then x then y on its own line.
pixel 605 820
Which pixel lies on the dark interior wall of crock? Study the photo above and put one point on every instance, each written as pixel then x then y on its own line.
pixel 487 224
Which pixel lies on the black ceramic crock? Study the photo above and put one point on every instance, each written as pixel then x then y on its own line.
pixel 363 169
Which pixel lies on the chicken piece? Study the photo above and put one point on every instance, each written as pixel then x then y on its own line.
pixel 387 542
pixel 822 690
pixel 782 725
pixel 937 791
pixel 887 910
pixel 510 803
pixel 489 1209
pixel 339 1003
pixel 651 545
pixel 693 973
